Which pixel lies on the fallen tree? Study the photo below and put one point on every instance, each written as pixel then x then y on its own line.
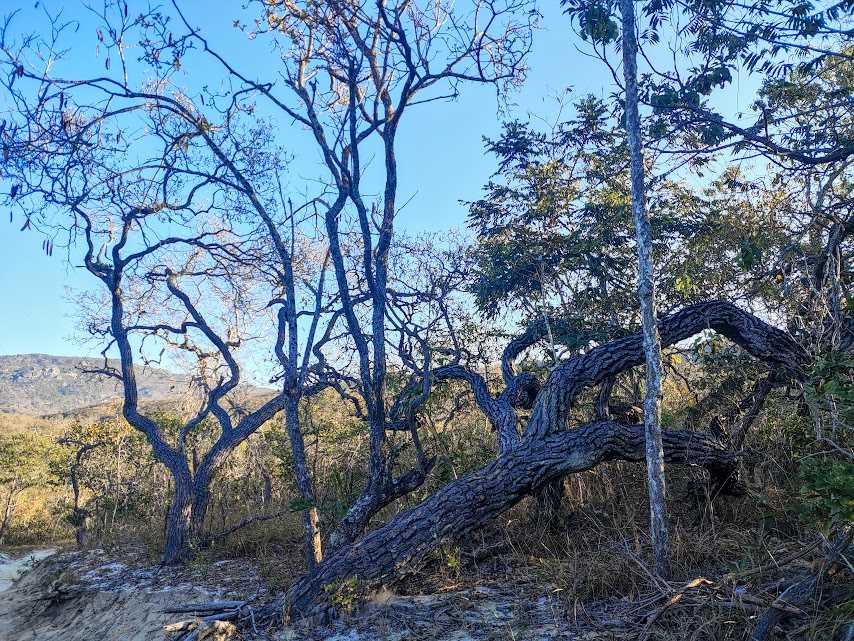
pixel 545 452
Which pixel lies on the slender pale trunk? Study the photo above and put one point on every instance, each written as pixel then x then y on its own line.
pixel 646 291
pixel 267 489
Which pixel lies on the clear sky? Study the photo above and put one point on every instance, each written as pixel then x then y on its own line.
pixel 440 153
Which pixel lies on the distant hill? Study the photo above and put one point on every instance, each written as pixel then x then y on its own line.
pixel 38 384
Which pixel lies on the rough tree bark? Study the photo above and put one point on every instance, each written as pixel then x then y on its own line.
pixel 646 293
pixel 475 499
pixel 544 453
pixel 305 486
pixel 804 587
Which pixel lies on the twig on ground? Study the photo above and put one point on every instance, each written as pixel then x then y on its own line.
pixel 653 616
pixel 773 565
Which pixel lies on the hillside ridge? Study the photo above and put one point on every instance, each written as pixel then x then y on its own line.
pixel 42 384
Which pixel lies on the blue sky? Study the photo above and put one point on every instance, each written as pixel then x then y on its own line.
pixel 440 153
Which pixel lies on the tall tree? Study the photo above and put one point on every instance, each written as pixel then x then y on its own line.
pixel 546 452
pixel 351 73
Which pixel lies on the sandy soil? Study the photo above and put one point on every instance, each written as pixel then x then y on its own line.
pixel 121 596
pixel 12 567
pixel 94 597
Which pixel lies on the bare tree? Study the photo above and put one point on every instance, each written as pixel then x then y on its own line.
pixel 350 73
pixel 172 212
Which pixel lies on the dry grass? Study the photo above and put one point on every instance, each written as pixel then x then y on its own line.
pixel 595 572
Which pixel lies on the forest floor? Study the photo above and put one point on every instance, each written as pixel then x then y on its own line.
pixel 480 591
pixel 119 595
pixel 582 584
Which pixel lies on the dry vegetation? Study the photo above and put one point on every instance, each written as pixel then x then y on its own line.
pixel 426 387
pixel 587 572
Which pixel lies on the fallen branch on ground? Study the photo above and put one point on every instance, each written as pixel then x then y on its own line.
pixel 792 599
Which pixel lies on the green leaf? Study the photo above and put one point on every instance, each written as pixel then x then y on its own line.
pixel 299 505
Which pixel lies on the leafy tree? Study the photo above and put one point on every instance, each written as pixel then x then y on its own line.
pixel 552 233
pixel 555 223
pixel 352 72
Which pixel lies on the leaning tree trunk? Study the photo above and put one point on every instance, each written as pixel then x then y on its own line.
pixel 544 454
pixel 475 499
pixel 646 292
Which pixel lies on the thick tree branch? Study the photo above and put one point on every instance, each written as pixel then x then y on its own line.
pixel 473 500
pixel 569 379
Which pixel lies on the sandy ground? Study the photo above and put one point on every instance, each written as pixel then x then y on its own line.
pixel 94 597
pixel 120 596
pixel 12 567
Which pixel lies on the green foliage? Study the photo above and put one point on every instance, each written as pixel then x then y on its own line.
pixel 28 464
pixel 832 374
pixel 596 22
pixel 453 557
pixel 748 255
pixel 299 505
pixel 559 221
pixel 25 460
pixel 346 592
pixel 555 232
pixel 776 40
pixel 737 567
pixel 827 492
pixel 119 479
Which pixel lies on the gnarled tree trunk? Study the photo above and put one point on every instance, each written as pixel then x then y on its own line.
pixel 179 529
pixel 475 499
pixel 546 452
